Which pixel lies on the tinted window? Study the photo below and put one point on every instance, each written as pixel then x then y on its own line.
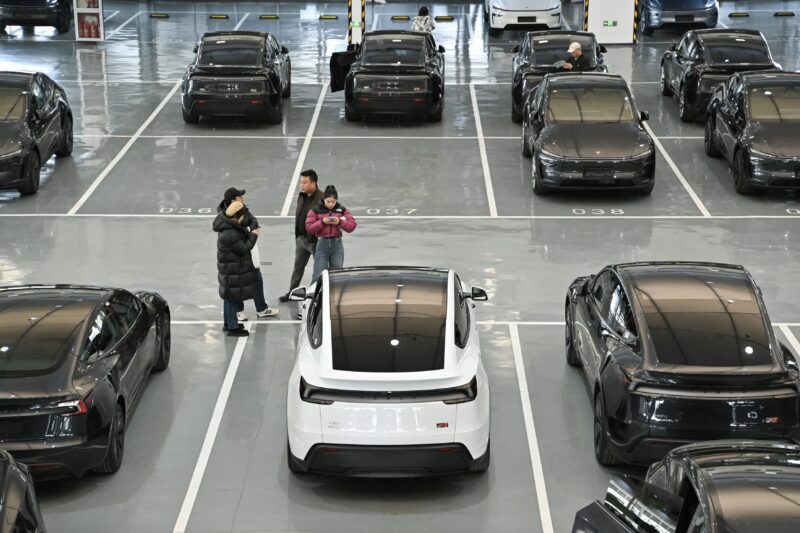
pixel 547 50
pixel 216 54
pixel 775 104
pixel 619 314
pixel 394 50
pixel 737 50
pixel 461 323
pixel 601 290
pixel 38 94
pixel 106 330
pixel 125 309
pixel 389 322
pixel 315 319
pixel 588 105
pixel 13 103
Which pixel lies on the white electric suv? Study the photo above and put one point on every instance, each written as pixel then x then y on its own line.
pixel 508 14
pixel 388 379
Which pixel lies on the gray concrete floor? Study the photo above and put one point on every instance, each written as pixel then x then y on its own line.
pixel 133 208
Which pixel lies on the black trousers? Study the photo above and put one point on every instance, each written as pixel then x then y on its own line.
pixel 303 251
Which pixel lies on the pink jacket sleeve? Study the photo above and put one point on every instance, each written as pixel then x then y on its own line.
pixel 313 223
pixel 347 222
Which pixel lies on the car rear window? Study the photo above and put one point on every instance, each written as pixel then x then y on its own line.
pixel 737 50
pixel 775 104
pixel 588 105
pixel 13 103
pixel 393 50
pixel 221 53
pixel 547 51
pixel 393 323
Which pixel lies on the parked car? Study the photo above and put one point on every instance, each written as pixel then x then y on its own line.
pixel 57 13
pixel 754 122
pixel 35 123
pixel 237 73
pixel 678 352
pixel 656 14
pixel 702 59
pixel 601 143
pixel 388 379
pixel 711 487
pixel 74 360
pixel 392 72
pixel 513 14
pixel 543 52
pixel 19 508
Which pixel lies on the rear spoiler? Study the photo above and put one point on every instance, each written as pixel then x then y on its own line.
pixel 460 394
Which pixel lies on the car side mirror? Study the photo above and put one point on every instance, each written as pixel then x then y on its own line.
pixel 284 50
pixel 299 294
pixel 478 295
pixel 642 504
pixel 672 47
pixel 195 49
pixel 441 49
pixel 644 115
pixel 789 359
pixel 584 289
pixel 602 49
pixel 516 49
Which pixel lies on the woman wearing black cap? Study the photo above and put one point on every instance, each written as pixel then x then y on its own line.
pixel 326 221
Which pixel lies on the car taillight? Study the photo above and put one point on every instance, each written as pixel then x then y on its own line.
pixel 307 393
pixel 467 393
pixel 72 408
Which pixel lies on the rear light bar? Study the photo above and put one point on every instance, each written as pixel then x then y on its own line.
pixel 72 408
pixel 454 395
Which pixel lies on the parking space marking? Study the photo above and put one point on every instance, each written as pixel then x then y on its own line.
pixel 124 151
pixel 790 337
pixel 487 176
pixel 781 325
pixel 530 429
pixel 422 217
pixel 301 159
pixel 111 16
pixel 211 436
pixel 115 30
pixel 239 24
pixel 678 173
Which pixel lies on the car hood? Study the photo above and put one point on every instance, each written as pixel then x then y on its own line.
pixel 776 138
pixel 12 137
pixel 525 5
pixel 595 141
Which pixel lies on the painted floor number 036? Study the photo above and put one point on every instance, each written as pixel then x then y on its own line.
pixel 185 211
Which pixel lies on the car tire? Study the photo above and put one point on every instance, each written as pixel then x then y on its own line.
pixel 291 461
pixel 116 444
pixel 276 115
pixel 189 118
pixel 288 91
pixel 516 116
pixel 482 464
pixel 165 345
pixel 437 116
pixel 601 451
pixel 64 20
pixel 709 143
pixel 485 13
pixel 351 116
pixel 33 171
pixel 2 28
pixel 65 146
pixel 526 145
pixel 495 32
pixel 665 89
pixel 740 175
pixel 685 113
pixel 572 356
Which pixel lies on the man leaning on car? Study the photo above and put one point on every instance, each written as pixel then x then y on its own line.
pixel 576 61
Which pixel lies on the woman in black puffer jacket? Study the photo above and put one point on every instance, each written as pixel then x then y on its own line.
pixel 235 269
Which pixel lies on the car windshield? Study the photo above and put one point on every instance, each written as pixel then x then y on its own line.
pixel 775 104
pixel 13 103
pixel 220 53
pixel 393 50
pixel 737 51
pixel 589 105
pixel 547 51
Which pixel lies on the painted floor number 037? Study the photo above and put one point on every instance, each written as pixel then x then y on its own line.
pixel 390 211
pixel 598 212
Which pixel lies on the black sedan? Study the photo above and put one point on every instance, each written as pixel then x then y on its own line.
pixel 57 13
pixel 35 123
pixel 544 52
pixel 754 121
pixel 19 508
pixel 703 59
pixel 392 72
pixel 675 353
pixel 237 73
pixel 74 361
pixel 584 132
pixel 710 487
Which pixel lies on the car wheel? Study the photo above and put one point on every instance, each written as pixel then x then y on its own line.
pixel 165 346
pixel 485 13
pixel 646 30
pixel 708 138
pixel 572 357
pixel 33 171
pixel 2 28
pixel 740 175
pixel 665 90
pixel 292 461
pixel 526 145
pixel 351 116
pixel 482 464
pixel 189 118
pixel 116 444
pixel 437 116
pixel 64 20
pixel 516 116
pixel 601 451
pixel 288 91
pixel 65 146
pixel 495 32
pixel 276 115
pixel 686 114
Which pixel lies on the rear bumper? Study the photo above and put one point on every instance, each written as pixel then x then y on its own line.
pixel 389 461
pixel 704 17
pixel 58 458
pixel 405 104
pixel 548 18
pixel 29 15
pixel 233 105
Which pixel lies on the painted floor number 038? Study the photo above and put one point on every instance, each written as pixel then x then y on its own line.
pixel 185 211
pixel 598 212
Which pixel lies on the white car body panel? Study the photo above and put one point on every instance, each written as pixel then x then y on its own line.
pixel 504 13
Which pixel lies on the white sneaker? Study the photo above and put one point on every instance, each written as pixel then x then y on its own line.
pixel 241 316
pixel 269 311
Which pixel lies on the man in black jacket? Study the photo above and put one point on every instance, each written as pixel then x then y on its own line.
pixel 576 62
pixel 236 272
pixel 304 244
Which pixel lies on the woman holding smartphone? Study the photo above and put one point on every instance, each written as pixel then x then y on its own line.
pixel 327 221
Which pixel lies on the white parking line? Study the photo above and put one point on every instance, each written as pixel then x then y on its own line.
pixel 301 160
pixel 530 429
pixel 239 24
pixel 115 30
pixel 110 16
pixel 678 174
pixel 374 21
pixel 420 217
pixel 790 337
pixel 211 436
pixel 487 175
pixel 551 323
pixel 122 152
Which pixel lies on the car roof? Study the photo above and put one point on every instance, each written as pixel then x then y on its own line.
pixel 396 32
pixel 769 76
pixel 586 78
pixel 253 37
pixel 16 78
